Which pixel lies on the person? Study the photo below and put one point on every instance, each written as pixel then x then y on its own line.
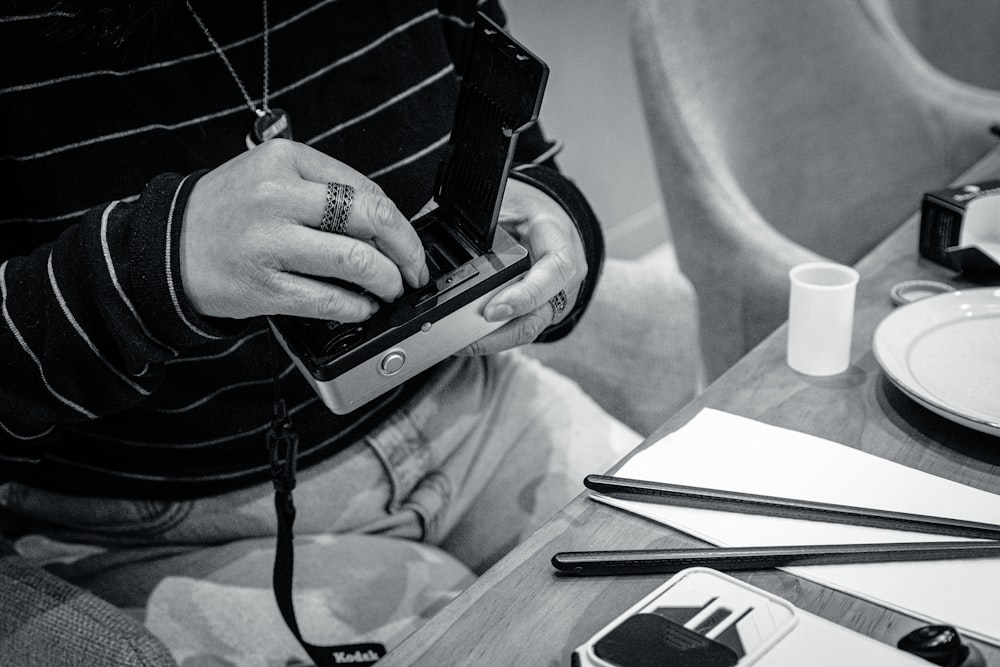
pixel 149 228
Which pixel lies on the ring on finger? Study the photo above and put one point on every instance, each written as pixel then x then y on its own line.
pixel 339 199
pixel 558 303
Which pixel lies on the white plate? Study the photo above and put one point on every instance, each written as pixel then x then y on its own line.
pixel 944 352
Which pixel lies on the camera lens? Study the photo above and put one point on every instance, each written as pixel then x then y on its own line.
pixel 343 338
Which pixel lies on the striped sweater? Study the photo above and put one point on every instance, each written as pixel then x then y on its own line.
pixel 110 383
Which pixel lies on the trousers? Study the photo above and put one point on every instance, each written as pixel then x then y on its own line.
pixel 388 531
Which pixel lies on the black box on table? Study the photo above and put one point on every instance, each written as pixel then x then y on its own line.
pixel 960 227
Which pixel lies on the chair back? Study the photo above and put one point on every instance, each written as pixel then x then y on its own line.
pixel 785 131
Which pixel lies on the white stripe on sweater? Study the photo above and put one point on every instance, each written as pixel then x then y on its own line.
pixel 237 385
pixel 159 65
pixel 190 445
pixel 412 158
pixel 378 41
pixel 171 287
pixel 83 335
pixel 375 174
pixel 457 20
pixel 24 437
pixel 218 476
pixel 51 218
pixel 17 459
pixel 241 108
pixel 32 17
pixel 63 216
pixel 218 355
pixel 109 262
pixel 385 105
pixel 24 346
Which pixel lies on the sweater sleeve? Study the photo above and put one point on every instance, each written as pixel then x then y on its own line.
pixel 89 319
pixel 568 196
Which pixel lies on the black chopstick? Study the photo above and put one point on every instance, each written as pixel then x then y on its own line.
pixel 669 561
pixel 789 508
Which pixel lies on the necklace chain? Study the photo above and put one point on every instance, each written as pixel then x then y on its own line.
pixel 264 109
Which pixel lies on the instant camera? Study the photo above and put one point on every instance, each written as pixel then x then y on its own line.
pixel 469 257
pixel 959 228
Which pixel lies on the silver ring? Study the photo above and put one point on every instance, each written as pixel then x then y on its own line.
pixel 339 199
pixel 558 304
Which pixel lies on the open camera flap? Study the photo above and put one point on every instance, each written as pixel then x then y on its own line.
pixel 501 94
pixel 470 258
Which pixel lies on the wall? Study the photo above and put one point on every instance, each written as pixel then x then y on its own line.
pixel 592 105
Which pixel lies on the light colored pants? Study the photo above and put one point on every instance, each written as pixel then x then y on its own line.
pixel 387 531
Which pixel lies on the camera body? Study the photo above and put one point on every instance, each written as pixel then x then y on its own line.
pixel 959 228
pixel 469 256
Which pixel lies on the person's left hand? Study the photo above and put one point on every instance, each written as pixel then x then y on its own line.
pixel 558 264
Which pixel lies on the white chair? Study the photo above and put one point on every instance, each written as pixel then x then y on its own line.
pixel 786 131
pixel 960 41
pixel 635 351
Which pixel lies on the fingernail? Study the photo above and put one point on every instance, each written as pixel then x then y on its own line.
pixel 425 276
pixel 498 312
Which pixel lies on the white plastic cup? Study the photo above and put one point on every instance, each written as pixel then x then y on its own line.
pixel 821 317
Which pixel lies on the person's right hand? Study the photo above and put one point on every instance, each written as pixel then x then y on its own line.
pixel 250 243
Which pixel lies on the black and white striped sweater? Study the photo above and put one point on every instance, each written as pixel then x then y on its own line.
pixel 110 383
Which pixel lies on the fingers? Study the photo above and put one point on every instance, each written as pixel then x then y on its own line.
pixel 519 331
pixel 515 333
pixel 560 266
pixel 312 252
pixel 371 217
pixel 522 330
pixel 300 296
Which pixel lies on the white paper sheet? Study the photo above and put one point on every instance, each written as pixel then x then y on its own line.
pixel 720 450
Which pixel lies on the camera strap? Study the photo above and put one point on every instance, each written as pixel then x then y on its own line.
pixel 282 450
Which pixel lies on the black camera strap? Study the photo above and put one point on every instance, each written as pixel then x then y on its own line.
pixel 282 450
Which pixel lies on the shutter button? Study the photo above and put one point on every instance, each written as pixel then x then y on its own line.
pixel 392 362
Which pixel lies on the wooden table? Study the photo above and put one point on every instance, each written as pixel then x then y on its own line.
pixel 521 613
